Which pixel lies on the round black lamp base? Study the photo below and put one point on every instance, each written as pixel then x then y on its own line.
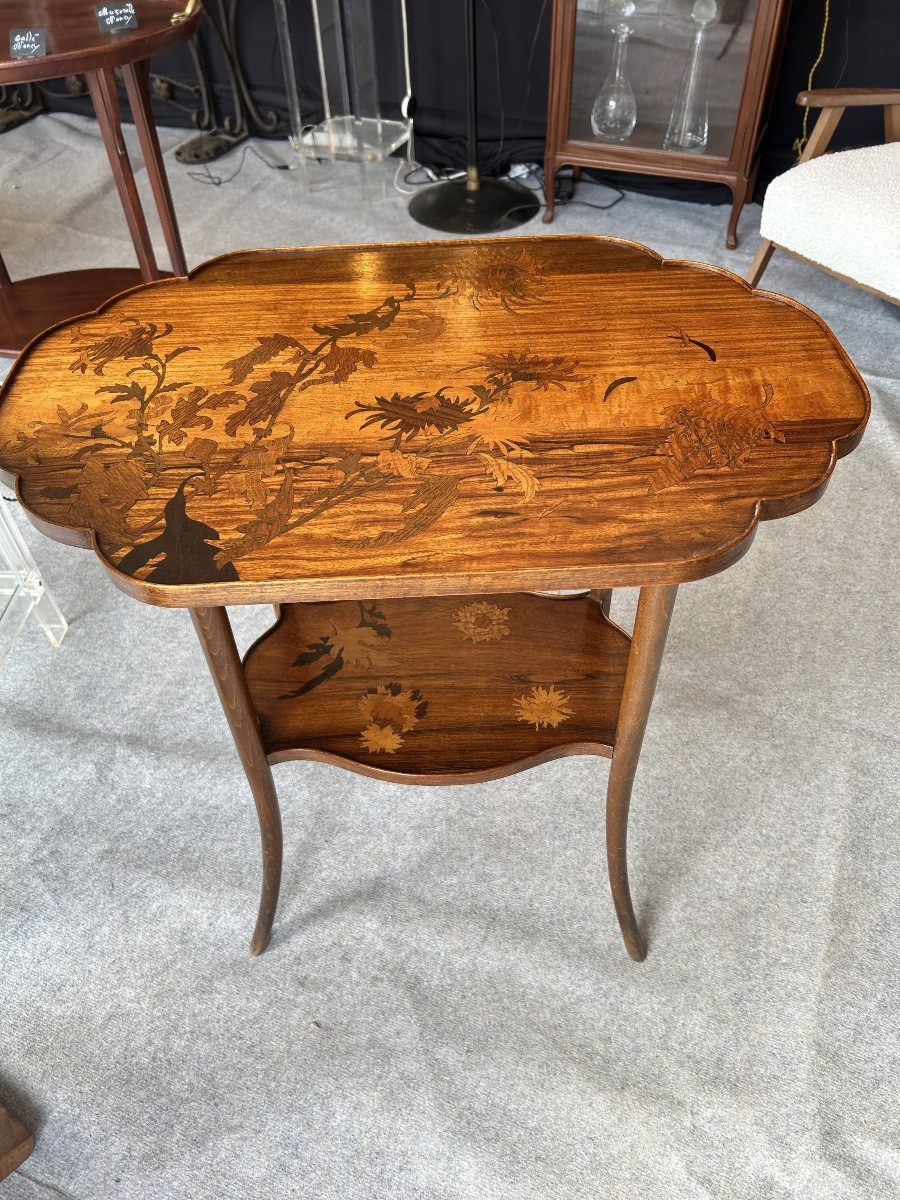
pixel 497 204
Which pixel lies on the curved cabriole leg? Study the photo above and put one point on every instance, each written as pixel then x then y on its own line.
pixel 738 199
pixel 214 631
pixel 650 629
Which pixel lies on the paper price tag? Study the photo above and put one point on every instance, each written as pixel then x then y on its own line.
pixel 114 17
pixel 27 43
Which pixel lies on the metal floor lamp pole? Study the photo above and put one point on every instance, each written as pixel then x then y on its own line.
pixel 473 204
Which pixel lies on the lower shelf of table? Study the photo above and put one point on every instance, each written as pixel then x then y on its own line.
pixel 32 305
pixel 433 690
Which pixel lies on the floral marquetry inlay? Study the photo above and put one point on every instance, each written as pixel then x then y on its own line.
pixel 481 621
pixel 544 706
pixel 322 420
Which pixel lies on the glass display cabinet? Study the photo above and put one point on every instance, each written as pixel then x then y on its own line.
pixel 662 87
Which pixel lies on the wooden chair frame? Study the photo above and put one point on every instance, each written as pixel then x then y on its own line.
pixel 833 102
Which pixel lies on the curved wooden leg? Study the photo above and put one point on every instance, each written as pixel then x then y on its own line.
pixel 214 631
pixel 741 194
pixel 651 626
pixel 102 86
pixel 760 262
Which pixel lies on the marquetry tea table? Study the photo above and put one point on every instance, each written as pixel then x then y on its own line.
pixel 402 447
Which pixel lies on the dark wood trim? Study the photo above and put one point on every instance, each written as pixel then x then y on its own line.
pixel 76 44
pixel 137 85
pixel 104 94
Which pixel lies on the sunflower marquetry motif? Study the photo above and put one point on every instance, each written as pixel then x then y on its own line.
pixel 544 706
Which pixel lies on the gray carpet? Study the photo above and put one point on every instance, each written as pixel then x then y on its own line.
pixel 446 1010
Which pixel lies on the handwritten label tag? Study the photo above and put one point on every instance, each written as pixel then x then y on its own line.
pixel 27 43
pixel 113 17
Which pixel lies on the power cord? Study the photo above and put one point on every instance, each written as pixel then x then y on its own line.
pixel 564 193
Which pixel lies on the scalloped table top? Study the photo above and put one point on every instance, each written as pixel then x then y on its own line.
pixel 427 419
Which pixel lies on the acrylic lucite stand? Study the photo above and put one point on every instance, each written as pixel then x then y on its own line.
pixel 353 127
pixel 23 592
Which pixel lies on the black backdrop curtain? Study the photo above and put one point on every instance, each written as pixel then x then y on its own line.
pixel 862 46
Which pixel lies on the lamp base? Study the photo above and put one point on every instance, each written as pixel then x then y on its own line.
pixel 450 206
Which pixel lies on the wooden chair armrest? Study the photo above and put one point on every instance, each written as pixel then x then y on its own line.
pixel 848 97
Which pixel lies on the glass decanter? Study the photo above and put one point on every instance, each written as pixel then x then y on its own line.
pixel 689 122
pixel 614 114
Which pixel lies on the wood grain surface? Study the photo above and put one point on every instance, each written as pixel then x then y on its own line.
pixel 75 42
pixel 428 419
pixel 434 690
pixel 31 305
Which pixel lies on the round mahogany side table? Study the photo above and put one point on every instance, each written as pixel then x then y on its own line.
pixel 75 44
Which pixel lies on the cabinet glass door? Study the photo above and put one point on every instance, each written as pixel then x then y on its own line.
pixel 682 61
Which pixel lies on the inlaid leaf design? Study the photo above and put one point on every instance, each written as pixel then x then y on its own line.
pixel 505 471
pixel 404 466
pixel 410 415
pixel 268 348
pixel 270 397
pixel 358 324
pixel 363 644
pixel 339 363
pixel 266 525
pixel 430 501
pixel 377 738
pixel 185 415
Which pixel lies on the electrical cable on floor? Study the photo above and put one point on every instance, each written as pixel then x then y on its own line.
pixel 206 176
pixel 562 201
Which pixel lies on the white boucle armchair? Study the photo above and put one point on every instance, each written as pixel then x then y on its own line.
pixel 840 211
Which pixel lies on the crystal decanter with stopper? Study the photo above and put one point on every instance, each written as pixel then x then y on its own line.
pixel 689 122
pixel 614 114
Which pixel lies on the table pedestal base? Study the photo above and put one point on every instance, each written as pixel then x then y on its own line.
pixel 438 691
